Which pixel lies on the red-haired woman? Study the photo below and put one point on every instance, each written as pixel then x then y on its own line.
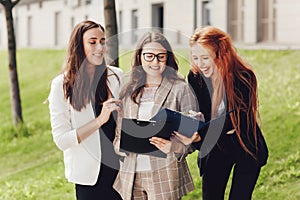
pixel 222 82
pixel 82 103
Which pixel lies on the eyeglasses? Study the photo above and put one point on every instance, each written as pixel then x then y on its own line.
pixel 161 57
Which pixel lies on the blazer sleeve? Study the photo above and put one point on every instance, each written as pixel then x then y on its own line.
pixel 261 150
pixel 187 99
pixel 187 102
pixel 60 117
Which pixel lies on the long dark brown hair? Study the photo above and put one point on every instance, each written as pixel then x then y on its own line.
pixel 77 83
pixel 230 68
pixel 138 76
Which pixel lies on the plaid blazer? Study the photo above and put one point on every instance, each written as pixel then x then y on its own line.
pixel 170 175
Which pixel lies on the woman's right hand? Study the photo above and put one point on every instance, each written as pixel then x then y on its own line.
pixel 108 107
pixel 162 144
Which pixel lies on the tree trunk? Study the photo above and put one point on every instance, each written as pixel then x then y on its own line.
pixel 111 32
pixel 13 74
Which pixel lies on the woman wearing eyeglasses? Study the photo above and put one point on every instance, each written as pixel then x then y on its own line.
pixel 154 84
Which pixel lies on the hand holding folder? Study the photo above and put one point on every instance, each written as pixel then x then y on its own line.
pixel 135 134
pixel 182 123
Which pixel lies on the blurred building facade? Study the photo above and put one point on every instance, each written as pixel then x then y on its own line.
pixel 48 23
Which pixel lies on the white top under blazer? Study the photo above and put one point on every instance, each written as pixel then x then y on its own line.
pixel 82 160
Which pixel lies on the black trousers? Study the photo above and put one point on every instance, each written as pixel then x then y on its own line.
pixel 102 189
pixel 217 171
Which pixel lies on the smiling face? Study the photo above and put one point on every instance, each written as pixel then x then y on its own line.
pixel 94 45
pixel 202 58
pixel 154 59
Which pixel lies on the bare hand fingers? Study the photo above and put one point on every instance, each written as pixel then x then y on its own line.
pixel 112 104
pixel 179 136
pixel 158 140
pixel 196 137
pixel 161 144
pixel 196 115
pixel 112 101
pixel 183 139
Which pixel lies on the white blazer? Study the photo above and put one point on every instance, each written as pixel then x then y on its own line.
pixel 82 160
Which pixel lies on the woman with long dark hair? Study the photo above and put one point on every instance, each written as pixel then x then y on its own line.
pixel 83 103
pixel 154 84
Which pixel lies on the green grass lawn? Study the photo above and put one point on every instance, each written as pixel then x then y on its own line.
pixel 32 167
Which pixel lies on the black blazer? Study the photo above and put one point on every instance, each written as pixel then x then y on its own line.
pixel 202 88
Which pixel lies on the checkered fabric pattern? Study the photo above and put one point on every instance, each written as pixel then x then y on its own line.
pixel 170 176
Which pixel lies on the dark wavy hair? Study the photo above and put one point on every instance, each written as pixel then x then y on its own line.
pixel 230 68
pixel 77 83
pixel 138 76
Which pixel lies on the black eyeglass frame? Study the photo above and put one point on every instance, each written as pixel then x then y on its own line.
pixel 155 55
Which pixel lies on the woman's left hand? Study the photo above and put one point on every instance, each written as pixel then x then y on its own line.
pixel 196 115
pixel 185 140
pixel 162 144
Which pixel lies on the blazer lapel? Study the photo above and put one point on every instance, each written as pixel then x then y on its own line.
pixel 161 95
pixel 131 108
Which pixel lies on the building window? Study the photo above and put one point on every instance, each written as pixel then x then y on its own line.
pixel 40 4
pixel 206 5
pixel 72 23
pixel 73 3
pixel 29 29
pixel 236 19
pixel 88 2
pixel 57 29
pixel 134 26
pixel 1 25
pixel 16 27
pixel 158 16
pixel 120 25
pixel 266 21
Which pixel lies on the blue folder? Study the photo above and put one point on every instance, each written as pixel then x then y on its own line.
pixel 135 134
pixel 184 124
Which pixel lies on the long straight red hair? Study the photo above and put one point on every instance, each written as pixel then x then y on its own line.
pixel 230 68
